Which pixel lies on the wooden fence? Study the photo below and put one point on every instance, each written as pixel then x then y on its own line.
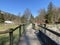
pixel 11 30
pixel 48 36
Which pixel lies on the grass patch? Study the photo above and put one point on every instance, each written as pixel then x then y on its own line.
pixel 37 27
pixel 4 38
pixel 7 26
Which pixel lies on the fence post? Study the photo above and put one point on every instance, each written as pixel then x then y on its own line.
pixel 45 33
pixel 45 29
pixel 11 36
pixel 33 26
pixel 23 27
pixel 19 31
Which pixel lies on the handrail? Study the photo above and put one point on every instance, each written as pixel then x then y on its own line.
pixel 44 36
pixel 54 32
pixel 46 39
pixel 3 32
pixel 11 30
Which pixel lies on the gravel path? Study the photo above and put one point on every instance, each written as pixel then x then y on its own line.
pixel 29 38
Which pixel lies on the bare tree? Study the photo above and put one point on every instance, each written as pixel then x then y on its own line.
pixel 42 14
pixel 27 14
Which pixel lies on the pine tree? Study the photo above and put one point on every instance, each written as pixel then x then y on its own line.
pixel 1 18
pixel 32 20
pixel 49 15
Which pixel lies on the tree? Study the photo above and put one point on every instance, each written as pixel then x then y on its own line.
pixel 59 19
pixel 8 16
pixel 58 15
pixel 1 17
pixel 27 14
pixel 49 15
pixel 23 19
pixel 37 18
pixel 42 14
pixel 32 20
pixel 19 18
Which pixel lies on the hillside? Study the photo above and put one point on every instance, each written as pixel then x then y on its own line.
pixel 8 16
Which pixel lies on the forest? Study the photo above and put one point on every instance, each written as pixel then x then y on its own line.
pixel 49 15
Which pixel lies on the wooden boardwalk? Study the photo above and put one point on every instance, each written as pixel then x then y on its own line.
pixel 29 38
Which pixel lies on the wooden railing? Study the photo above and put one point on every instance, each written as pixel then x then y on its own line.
pixel 11 30
pixel 46 38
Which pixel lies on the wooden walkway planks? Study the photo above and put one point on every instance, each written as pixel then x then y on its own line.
pixel 29 38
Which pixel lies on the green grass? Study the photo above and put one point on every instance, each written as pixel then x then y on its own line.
pixel 4 26
pixel 4 38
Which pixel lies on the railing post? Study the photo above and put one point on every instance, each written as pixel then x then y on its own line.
pixel 45 33
pixel 41 29
pixel 11 36
pixel 33 25
pixel 45 29
pixel 19 31
pixel 23 27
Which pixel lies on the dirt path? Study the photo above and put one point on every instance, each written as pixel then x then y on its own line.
pixel 29 38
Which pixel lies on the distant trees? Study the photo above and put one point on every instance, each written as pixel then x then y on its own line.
pixel 1 17
pixel 51 15
pixel 27 13
pixel 7 16
pixel 42 14
pixel 17 19
pixel 37 18
pixel 26 16
pixel 23 19
pixel 32 19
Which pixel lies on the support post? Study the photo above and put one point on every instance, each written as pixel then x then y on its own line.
pixel 19 31
pixel 45 32
pixel 11 37
pixel 23 28
pixel 45 29
pixel 33 26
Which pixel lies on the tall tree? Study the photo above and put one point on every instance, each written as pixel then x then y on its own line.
pixel 19 17
pixel 49 16
pixel 42 14
pixel 27 14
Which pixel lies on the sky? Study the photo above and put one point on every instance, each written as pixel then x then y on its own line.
pixel 19 6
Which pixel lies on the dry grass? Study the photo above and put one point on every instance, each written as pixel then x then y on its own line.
pixel 7 26
pixel 4 38
pixel 37 27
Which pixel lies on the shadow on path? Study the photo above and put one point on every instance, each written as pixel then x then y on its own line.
pixel 27 39
pixel 24 40
pixel 38 34
pixel 44 39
